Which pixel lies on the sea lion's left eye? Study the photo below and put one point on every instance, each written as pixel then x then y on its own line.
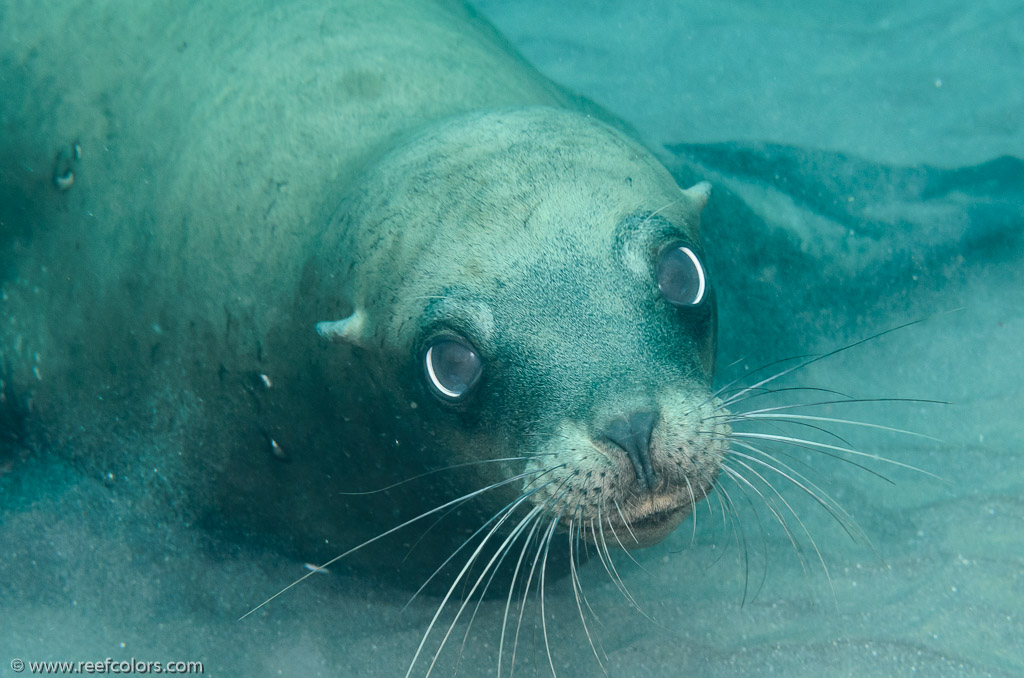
pixel 681 278
pixel 453 368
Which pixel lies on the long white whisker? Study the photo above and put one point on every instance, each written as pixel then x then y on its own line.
pixel 693 509
pixel 800 522
pixel 836 448
pixel 439 470
pixel 625 522
pixel 442 507
pixel 823 356
pixel 764 414
pixel 603 546
pixel 777 425
pixel 444 515
pixel 747 394
pixel 838 457
pixel 462 573
pixel 604 563
pixel 577 589
pixel 833 507
pixel 543 574
pixel 496 557
pixel 611 526
pixel 725 388
pixel 500 514
pixel 480 599
pixel 580 537
pixel 511 589
pixel 526 592
pixel 736 475
pixel 741 536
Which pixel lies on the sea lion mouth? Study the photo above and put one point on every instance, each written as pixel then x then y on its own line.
pixel 658 518
pixel 649 523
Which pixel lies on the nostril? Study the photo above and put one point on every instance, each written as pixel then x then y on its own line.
pixel 633 434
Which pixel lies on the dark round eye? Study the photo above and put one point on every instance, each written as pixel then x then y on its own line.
pixel 681 278
pixel 452 368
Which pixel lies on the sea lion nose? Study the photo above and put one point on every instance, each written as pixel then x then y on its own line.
pixel 633 434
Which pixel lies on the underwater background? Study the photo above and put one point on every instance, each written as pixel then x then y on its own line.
pixel 878 149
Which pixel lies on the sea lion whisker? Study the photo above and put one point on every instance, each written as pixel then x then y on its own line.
pixel 746 548
pixel 626 522
pixel 773 390
pixel 693 509
pixel 501 514
pixel 491 567
pixel 511 590
pixel 442 507
pixel 819 357
pixel 426 532
pixel 535 534
pixel 776 424
pixel 740 535
pixel 824 446
pixel 704 490
pixel 728 518
pixel 543 573
pixel 736 362
pixel 603 546
pixel 580 539
pixel 764 542
pixel 863 467
pixel 707 504
pixel 444 515
pixel 747 394
pixel 653 214
pixel 779 518
pixel 601 557
pixel 796 516
pixel 764 414
pixel 577 591
pixel 725 516
pixel 846 400
pixel 505 515
pixel 435 471
pixel 494 571
pixel 739 380
pixel 611 526
pixel 526 592
pixel 819 495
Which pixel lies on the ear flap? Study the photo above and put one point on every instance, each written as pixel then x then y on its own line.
pixel 698 195
pixel 350 330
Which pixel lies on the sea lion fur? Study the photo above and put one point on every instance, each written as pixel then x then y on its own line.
pixel 250 272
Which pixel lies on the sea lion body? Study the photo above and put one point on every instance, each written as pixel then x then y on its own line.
pixel 392 174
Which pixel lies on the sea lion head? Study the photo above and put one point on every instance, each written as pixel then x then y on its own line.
pixel 529 285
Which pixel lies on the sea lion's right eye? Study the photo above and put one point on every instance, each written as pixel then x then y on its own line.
pixel 452 368
pixel 681 278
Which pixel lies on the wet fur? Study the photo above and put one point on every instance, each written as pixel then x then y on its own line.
pixel 197 261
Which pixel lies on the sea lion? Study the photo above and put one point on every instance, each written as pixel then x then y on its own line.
pixel 327 254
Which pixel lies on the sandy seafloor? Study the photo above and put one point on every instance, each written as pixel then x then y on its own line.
pixel 939 591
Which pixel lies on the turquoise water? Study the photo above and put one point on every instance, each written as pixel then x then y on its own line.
pixel 868 172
